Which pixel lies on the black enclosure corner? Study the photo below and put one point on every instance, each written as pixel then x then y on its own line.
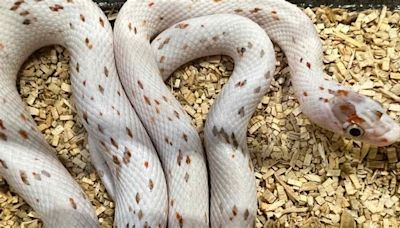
pixel 349 4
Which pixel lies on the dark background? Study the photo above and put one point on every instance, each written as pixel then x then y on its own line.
pixel 350 4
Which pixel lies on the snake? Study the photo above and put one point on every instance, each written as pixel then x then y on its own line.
pixel 151 156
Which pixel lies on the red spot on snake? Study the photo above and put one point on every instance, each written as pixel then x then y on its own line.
pixel 378 114
pixel 2 125
pixel 309 65
pixel 140 84
pixel 157 102
pixel 305 93
pixel 129 132
pixel 342 92
pixel 262 53
pixel 45 173
pixel 185 137
pixel 72 202
pixel 179 158
pixel 24 13
pixel 182 25
pixel 162 59
pixel 275 15
pixel 147 100
pixel 3 136
pixel 167 141
pixel 26 22
pixel 137 198
pixel 255 10
pixel 130 26
pixel 116 160
pixel 188 160
pixel 23 117
pixel 238 10
pixel 101 22
pixel 56 8
pixel 321 88
pixel 36 176
pixel 100 128
pixel 215 131
pixel 3 164
pixel 165 98
pixel 84 83
pixel 77 67
pixel 241 83
pixel 151 184
pixel 354 118
pixel 172 202
pixel 234 210
pixel 101 89
pixel 151 4
pixel 325 100
pixel 176 114
pixel 23 134
pixel 82 18
pixel 140 215
pixel 257 90
pixel 246 214
pixel 186 177
pixel 114 143
pixel 127 155
pixel 301 60
pixel 241 51
pixel 146 164
pixel 88 43
pixel 179 218
pixel 24 177
pixel 106 71
pixel 346 108
pixel 16 5
pixel 234 141
pixel 85 117
pixel 166 41
pixel 241 112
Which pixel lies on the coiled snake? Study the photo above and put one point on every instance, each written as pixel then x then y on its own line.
pixel 138 134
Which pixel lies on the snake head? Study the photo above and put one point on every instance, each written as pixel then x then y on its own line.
pixel 362 118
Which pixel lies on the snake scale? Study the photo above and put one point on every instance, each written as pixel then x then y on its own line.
pixel 139 136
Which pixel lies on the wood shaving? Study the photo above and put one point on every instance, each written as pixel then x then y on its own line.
pixel 306 176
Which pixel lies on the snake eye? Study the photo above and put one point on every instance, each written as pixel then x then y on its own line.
pixel 354 130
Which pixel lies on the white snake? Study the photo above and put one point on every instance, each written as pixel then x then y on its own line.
pixel 134 173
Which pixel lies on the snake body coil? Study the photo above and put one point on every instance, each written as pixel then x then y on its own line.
pixel 157 172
